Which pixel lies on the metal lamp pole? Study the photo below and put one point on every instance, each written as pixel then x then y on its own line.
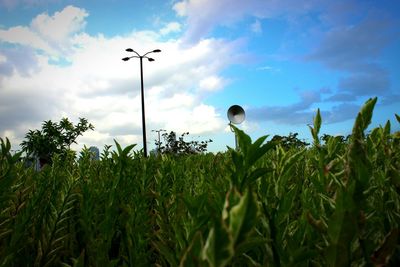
pixel 159 137
pixel 142 90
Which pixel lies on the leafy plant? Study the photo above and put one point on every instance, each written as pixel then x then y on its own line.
pixel 53 138
pixel 290 142
pixel 179 146
pixel 333 203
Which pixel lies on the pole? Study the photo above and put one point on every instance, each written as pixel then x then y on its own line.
pixel 159 140
pixel 236 137
pixel 143 114
pixel 142 89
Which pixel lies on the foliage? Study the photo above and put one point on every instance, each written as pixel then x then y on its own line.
pixel 179 146
pixel 290 141
pixel 53 138
pixel 341 138
pixel 331 204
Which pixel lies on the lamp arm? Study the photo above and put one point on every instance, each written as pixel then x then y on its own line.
pixel 136 53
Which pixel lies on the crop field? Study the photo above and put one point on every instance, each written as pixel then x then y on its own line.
pixel 334 203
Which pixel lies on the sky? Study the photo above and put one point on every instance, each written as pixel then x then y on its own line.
pixel 280 60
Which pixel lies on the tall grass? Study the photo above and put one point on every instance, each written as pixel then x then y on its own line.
pixel 332 204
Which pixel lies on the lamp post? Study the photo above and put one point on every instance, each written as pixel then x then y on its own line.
pixel 159 138
pixel 236 115
pixel 137 55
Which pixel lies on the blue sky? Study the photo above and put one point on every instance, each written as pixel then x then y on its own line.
pixel 279 60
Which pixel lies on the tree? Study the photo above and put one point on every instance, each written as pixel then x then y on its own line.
pixel 342 139
pixel 53 138
pixel 290 141
pixel 179 146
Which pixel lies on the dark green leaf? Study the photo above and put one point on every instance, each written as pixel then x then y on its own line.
pixel 218 250
pixel 242 217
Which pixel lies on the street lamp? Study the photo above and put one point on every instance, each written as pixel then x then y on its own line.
pixel 142 91
pixel 159 138
pixel 236 115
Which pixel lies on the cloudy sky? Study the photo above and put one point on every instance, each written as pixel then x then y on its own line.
pixel 280 60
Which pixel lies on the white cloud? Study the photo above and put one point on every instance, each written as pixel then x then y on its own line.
pixel 170 28
pixel 211 83
pixel 99 86
pixel 24 36
pixel 50 34
pixel 181 8
pixel 2 58
pixel 199 120
pixel 203 15
pixel 59 27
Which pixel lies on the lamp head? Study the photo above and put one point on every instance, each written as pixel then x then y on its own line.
pixel 236 114
pixel 126 58
pixel 156 51
pixel 129 50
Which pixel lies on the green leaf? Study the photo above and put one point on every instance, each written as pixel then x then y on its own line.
pixel 243 139
pixel 254 175
pixel 257 151
pixel 358 165
pixel 218 250
pixel 319 225
pixel 254 150
pixel 251 261
pixel 386 129
pixel 127 149
pixel 191 257
pixel 250 244
pixel 286 202
pixel 80 261
pixel 342 228
pixel 166 252
pixel 118 147
pixel 317 123
pixel 242 217
pixel 364 117
pixel 317 126
pixel 16 157
pixel 237 159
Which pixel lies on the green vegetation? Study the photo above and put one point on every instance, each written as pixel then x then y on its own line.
pixel 174 146
pixel 53 138
pixel 332 204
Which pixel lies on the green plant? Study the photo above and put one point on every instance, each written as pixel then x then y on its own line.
pixel 332 203
pixel 290 142
pixel 179 146
pixel 53 138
